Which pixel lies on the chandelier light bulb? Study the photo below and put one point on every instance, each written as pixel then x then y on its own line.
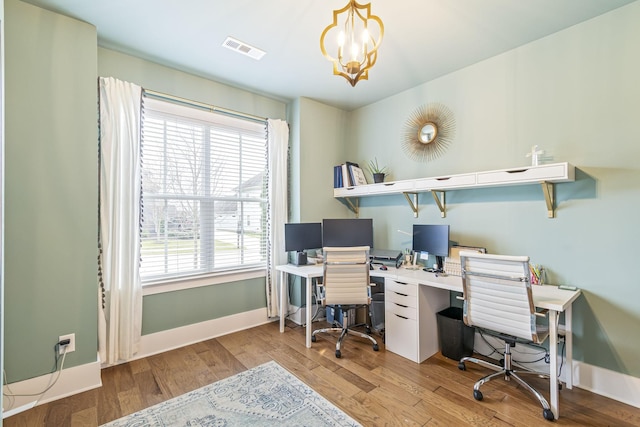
pixel 354 52
pixel 352 22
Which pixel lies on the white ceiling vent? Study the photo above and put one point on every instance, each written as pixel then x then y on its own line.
pixel 243 48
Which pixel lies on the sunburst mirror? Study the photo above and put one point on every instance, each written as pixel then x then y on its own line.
pixel 428 132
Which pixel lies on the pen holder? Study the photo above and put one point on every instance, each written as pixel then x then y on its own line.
pixel 538 274
pixel 407 259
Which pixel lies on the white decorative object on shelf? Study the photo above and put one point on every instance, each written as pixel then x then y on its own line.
pixel 535 155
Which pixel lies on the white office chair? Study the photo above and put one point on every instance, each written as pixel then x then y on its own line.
pixel 497 299
pixel 345 285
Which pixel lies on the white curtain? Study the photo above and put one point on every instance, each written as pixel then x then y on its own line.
pixel 120 316
pixel 278 132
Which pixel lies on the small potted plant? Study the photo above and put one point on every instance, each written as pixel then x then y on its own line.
pixel 378 173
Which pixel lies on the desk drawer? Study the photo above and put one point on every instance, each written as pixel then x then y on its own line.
pixel 401 287
pixel 393 308
pixel 355 191
pixel 403 300
pixel 552 172
pixel 401 336
pixel 391 187
pixel 443 182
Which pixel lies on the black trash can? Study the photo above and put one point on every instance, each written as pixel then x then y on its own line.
pixel 376 312
pixel 456 338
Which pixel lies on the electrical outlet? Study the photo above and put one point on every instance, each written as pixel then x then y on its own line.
pixel 72 343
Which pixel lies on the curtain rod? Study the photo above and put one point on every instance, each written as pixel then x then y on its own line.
pixel 202 105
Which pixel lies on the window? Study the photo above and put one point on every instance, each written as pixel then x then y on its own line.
pixel 204 192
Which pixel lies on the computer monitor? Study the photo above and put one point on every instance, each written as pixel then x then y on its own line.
pixel 299 237
pixel 434 239
pixel 347 232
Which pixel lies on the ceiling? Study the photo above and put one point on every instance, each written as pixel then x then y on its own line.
pixel 424 39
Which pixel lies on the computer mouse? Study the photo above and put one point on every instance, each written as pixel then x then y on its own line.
pixel 383 267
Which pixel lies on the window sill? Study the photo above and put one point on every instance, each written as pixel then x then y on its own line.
pixel 197 282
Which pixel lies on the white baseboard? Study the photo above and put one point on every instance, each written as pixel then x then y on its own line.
pixel 611 384
pixel 179 337
pixel 14 410
pixel 614 385
pixel 86 377
pixel 72 381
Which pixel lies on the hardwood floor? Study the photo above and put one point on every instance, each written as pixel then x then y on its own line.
pixel 375 388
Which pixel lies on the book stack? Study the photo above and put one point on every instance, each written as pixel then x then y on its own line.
pixel 348 174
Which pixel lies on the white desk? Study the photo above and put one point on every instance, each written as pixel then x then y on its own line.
pixel 308 272
pixel 545 297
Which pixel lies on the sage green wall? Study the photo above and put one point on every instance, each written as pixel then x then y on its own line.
pixel 294 178
pixel 316 145
pixel 50 189
pixel 322 137
pixel 159 78
pixel 576 94
pixel 174 309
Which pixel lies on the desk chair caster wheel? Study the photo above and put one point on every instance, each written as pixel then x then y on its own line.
pixel 368 329
pixel 338 354
pixel 462 366
pixel 375 347
pixel 548 415
pixel 477 395
pixel 313 338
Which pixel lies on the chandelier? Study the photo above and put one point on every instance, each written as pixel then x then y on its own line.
pixel 355 38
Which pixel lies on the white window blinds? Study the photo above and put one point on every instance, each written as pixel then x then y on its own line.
pixel 204 192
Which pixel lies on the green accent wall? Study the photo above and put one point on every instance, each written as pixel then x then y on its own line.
pixel 179 308
pixel 321 140
pixel 51 191
pixel 163 79
pixel 317 133
pixel 170 310
pixel 575 94
pixel 52 197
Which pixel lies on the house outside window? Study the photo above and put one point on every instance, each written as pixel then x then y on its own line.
pixel 204 193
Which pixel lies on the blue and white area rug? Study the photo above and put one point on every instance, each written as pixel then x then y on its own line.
pixel 267 395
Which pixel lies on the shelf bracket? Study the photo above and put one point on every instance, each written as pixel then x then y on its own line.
pixel 354 207
pixel 412 203
pixel 549 197
pixel 441 202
